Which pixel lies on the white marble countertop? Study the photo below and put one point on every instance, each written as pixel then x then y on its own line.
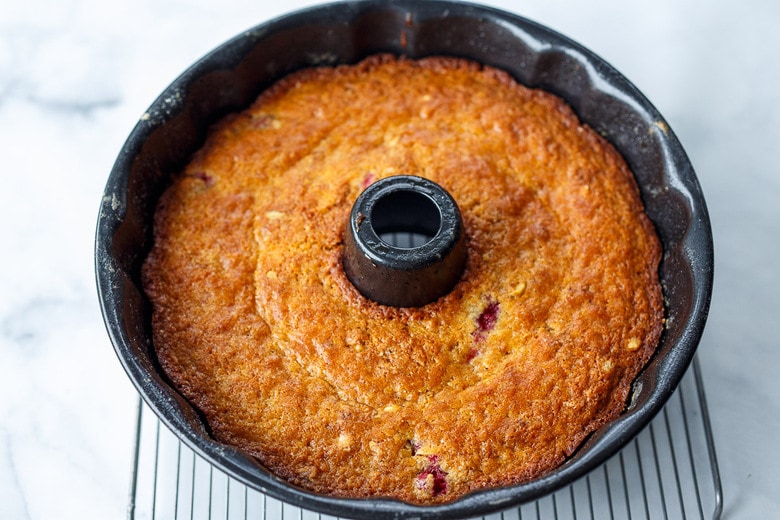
pixel 75 75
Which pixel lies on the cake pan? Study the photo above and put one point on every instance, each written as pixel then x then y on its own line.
pixel 231 76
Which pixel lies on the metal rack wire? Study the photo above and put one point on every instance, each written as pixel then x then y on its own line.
pixel 668 471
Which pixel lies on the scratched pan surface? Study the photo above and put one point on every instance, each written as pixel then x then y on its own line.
pixel 231 76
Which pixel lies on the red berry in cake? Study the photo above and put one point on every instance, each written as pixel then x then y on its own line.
pixel 432 478
pixel 367 180
pixel 202 176
pixel 486 320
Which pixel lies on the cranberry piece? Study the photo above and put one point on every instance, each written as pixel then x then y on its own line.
pixel 367 180
pixel 486 321
pixel 439 477
pixel 203 176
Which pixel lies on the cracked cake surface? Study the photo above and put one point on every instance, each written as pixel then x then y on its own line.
pixel 495 383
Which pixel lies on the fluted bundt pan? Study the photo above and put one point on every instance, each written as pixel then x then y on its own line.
pixel 232 76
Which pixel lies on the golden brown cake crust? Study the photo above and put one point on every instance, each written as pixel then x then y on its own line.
pixel 496 382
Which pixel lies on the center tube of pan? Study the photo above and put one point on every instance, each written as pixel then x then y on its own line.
pixel 404 243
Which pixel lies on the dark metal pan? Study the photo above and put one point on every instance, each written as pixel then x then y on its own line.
pixel 231 76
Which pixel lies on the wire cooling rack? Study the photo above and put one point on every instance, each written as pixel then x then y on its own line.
pixel 668 471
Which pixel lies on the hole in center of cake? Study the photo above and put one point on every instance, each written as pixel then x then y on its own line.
pixel 404 244
pixel 406 219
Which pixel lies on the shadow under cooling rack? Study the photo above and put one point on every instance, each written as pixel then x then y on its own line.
pixel 668 471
